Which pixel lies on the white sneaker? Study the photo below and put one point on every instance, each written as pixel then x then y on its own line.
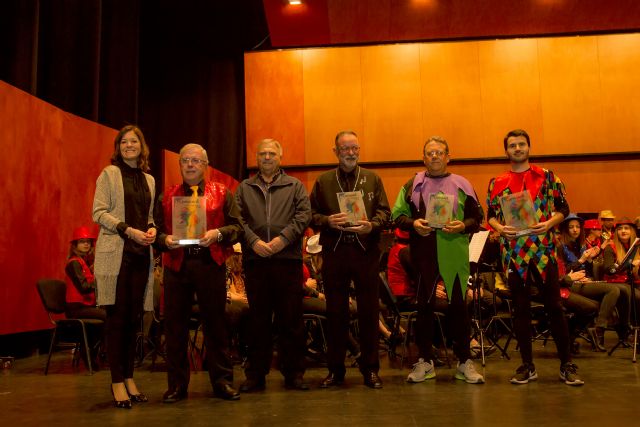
pixel 421 371
pixel 467 371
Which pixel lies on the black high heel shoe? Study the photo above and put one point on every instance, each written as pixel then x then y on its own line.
pixel 122 404
pixel 138 398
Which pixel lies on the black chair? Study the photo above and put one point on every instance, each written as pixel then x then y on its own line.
pixel 52 293
pixel 314 329
pixel 408 317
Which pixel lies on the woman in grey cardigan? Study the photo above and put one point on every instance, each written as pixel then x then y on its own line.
pixel 123 207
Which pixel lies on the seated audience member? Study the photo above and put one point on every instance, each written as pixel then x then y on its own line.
pixel 607 221
pixel 624 235
pixel 237 308
pixel 593 234
pixel 593 239
pixel 577 261
pixel 400 274
pixel 81 284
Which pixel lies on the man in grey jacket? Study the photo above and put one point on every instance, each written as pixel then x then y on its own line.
pixel 275 210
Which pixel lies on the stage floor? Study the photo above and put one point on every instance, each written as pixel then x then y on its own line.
pixel 69 396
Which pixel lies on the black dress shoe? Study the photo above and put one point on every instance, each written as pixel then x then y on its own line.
pixel 332 380
pixel 372 380
pixel 173 395
pixel 252 384
pixel 226 392
pixel 296 383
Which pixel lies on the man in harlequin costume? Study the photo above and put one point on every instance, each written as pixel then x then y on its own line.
pixel 440 254
pixel 530 259
pixel 198 268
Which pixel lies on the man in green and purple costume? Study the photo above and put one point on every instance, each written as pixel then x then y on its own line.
pixel 440 252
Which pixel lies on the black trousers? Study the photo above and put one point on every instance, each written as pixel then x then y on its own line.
pixel 274 290
pixel 550 290
pixel 124 317
pixel 425 261
pixel 350 262
pixel 202 276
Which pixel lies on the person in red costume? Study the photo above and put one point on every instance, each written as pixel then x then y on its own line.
pixel 198 268
pixel 529 256
pixel 81 286
pixel 81 283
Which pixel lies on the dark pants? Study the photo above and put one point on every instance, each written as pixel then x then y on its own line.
pixel 274 290
pixel 425 261
pixel 199 274
pixel 350 262
pixel 124 317
pixel 609 296
pixel 626 314
pixel 550 290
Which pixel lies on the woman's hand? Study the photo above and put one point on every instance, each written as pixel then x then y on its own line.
pixel 139 236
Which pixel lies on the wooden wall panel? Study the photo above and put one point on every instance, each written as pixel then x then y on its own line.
pixel 451 97
pixel 274 103
pixel 619 60
pixel 510 90
pixel 570 95
pixel 573 95
pixel 332 99
pixel 391 102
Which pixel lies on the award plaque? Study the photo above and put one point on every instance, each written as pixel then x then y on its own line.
pixel 189 219
pixel 352 204
pixel 518 212
pixel 439 209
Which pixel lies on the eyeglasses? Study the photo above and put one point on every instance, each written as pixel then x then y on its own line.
pixel 267 153
pixel 437 153
pixel 353 148
pixel 186 160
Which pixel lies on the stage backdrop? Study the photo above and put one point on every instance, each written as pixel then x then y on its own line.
pixel 50 161
pixel 574 95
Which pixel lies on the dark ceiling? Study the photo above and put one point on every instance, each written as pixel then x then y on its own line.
pixel 339 22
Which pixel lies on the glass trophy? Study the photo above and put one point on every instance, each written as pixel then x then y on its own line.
pixel 518 212
pixel 352 204
pixel 189 219
pixel 439 209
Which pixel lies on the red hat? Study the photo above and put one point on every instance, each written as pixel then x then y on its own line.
pixel 625 221
pixel 592 224
pixel 401 234
pixel 83 232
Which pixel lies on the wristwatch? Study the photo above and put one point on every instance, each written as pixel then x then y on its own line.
pixel 220 236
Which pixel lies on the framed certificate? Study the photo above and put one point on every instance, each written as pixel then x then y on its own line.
pixel 439 209
pixel 352 204
pixel 518 212
pixel 189 219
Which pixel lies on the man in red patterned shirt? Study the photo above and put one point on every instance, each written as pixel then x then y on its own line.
pixel 529 256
